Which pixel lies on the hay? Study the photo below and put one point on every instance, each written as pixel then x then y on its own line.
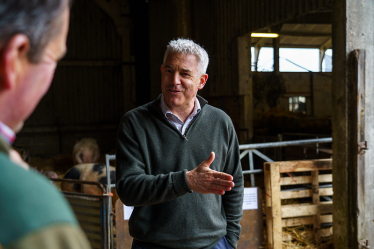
pixel 302 236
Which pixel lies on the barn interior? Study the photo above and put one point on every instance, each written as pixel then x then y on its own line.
pixel 116 48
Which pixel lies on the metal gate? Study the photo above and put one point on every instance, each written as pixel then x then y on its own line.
pixel 94 214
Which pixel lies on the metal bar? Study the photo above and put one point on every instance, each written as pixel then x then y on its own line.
pixel 251 167
pixel 267 159
pixel 283 144
pixel 109 216
pixel 107 158
pixel 280 150
pixel 110 157
pixel 252 171
pixel 243 154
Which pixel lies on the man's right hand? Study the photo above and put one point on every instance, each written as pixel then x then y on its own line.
pixel 204 180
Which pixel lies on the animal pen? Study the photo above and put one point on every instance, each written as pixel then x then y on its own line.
pixel 278 205
pixel 94 214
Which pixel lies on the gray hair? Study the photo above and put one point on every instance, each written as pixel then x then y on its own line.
pixel 186 46
pixel 39 20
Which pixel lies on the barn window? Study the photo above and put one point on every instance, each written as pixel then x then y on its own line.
pixel 298 60
pixel 327 61
pixel 297 104
pixel 291 60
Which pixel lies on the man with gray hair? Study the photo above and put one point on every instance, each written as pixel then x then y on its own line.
pixel 33 213
pixel 178 162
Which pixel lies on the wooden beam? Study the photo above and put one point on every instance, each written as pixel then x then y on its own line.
pixel 304 193
pixel 269 221
pixel 304 179
pixel 305 221
pixel 306 209
pixel 295 166
pixel 276 205
pixel 305 34
pixel 317 216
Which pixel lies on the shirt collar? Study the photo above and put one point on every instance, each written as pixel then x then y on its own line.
pixel 6 133
pixel 165 108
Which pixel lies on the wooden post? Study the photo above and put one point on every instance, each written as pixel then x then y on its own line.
pixel 317 217
pixel 276 206
pixel 245 89
pixel 357 78
pixel 276 54
pixel 124 240
pixel 352 123
pixel 269 215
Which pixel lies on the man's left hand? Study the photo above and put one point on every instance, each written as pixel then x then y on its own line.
pixel 204 180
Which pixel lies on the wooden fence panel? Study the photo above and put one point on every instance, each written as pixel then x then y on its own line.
pixel 314 213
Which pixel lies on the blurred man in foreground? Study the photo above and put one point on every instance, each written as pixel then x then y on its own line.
pixel 33 213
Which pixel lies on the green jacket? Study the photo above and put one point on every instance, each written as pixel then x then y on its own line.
pixel 33 213
pixel 152 160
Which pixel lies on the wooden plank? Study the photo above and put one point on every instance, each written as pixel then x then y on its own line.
pixel 299 210
pixel 276 206
pixel 124 240
pixel 293 194
pixel 304 179
pixel 297 166
pixel 362 172
pixel 326 192
pixel 315 187
pixel 269 219
pixel 252 234
pixel 326 232
pixel 292 222
pixel 317 217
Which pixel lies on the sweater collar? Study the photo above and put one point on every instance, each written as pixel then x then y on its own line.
pixel 156 104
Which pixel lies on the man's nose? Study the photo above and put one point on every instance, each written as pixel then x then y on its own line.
pixel 176 78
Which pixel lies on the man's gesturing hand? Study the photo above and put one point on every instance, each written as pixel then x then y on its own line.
pixel 204 180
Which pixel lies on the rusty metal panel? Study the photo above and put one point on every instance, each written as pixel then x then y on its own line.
pixel 88 211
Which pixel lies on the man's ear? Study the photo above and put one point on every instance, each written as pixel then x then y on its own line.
pixel 162 68
pixel 202 82
pixel 12 60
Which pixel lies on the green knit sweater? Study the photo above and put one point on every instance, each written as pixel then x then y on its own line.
pixel 152 160
pixel 33 213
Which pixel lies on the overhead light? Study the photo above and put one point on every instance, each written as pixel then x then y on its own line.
pixel 265 35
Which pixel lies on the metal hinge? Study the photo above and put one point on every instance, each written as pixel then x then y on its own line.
pixel 362 146
pixel 363 244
